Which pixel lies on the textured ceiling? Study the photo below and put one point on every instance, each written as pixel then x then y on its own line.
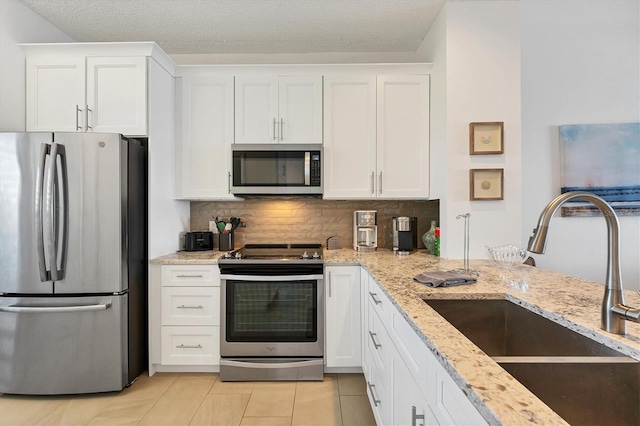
pixel 247 26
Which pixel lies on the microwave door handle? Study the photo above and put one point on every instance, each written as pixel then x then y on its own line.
pixel 307 168
pixel 44 274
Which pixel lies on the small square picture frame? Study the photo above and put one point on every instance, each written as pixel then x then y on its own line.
pixel 486 138
pixel 486 184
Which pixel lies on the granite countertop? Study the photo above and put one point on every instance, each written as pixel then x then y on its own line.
pixel 570 301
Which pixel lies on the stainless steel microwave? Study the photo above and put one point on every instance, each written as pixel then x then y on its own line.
pixel 276 169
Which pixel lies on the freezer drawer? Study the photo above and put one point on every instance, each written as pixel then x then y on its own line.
pixel 63 345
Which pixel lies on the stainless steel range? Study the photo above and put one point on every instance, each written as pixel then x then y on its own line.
pixel 272 325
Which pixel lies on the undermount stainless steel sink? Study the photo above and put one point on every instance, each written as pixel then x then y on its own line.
pixel 585 382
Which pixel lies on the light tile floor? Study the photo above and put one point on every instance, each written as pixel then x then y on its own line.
pixel 201 399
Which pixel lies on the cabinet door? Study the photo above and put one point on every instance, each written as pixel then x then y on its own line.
pixel 55 90
pixel 343 327
pixel 256 117
pixel 205 133
pixel 349 137
pixel 117 95
pixel 364 312
pixel 300 109
pixel 410 407
pixel 403 136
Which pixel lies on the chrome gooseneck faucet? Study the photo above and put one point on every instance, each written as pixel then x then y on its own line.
pixel 614 311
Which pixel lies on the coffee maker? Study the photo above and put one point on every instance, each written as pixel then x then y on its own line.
pixel 405 234
pixel 365 230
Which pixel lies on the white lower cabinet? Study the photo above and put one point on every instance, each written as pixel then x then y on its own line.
pixel 343 319
pixel 406 383
pixel 410 406
pixel 184 333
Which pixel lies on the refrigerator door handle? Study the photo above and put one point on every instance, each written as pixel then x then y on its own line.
pixel 44 273
pixel 51 206
pixel 54 309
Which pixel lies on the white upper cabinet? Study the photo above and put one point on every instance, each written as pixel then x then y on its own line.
pixel 349 136
pixel 403 136
pixel 117 95
pixel 204 118
pixel 55 94
pixel 376 137
pixel 79 93
pixel 278 109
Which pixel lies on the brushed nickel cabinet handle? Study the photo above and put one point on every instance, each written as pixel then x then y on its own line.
pixel 375 344
pixel 415 417
pixel 281 129
pixel 274 129
pixel 189 346
pixel 190 307
pixel 380 186
pixel 78 111
pixel 189 276
pixel 373 183
pixel 373 395
pixel 375 298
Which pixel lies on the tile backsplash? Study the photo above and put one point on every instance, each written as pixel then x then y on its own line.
pixel 308 220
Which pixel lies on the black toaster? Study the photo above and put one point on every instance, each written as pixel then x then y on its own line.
pixel 198 241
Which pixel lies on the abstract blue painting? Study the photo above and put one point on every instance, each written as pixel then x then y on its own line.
pixel 603 159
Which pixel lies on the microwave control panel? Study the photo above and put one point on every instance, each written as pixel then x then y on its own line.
pixel 315 169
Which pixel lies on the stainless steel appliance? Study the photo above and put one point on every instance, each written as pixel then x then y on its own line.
pixel 405 234
pixel 365 230
pixel 272 325
pixel 276 169
pixel 73 264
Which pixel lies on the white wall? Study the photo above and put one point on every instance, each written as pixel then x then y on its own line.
pixel 295 58
pixel 19 24
pixel 580 65
pixel 482 83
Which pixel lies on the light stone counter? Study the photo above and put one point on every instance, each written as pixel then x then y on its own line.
pixel 570 301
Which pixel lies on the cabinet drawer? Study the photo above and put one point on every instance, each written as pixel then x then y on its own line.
pixel 451 405
pixel 379 302
pixel 380 348
pixel 379 398
pixel 411 348
pixel 190 275
pixel 191 306
pixel 190 345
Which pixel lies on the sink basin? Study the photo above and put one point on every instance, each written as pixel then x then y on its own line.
pixel 585 382
pixel 502 328
pixel 596 391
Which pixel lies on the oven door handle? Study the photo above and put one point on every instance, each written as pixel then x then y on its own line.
pixel 263 278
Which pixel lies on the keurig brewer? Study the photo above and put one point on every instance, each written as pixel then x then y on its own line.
pixel 405 234
pixel 365 230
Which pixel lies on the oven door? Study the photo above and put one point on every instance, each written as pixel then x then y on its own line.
pixel 272 316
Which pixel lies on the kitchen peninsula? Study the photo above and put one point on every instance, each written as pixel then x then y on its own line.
pixel 499 399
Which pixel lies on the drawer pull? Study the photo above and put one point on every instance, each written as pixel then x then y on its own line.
pixel 375 298
pixel 189 276
pixel 375 344
pixel 189 346
pixel 190 307
pixel 373 395
pixel 415 417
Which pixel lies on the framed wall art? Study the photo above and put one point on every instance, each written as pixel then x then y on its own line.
pixel 486 184
pixel 603 159
pixel 486 138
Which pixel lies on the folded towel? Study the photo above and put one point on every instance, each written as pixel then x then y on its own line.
pixel 443 278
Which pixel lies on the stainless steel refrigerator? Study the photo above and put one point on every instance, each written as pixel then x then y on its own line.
pixel 73 300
